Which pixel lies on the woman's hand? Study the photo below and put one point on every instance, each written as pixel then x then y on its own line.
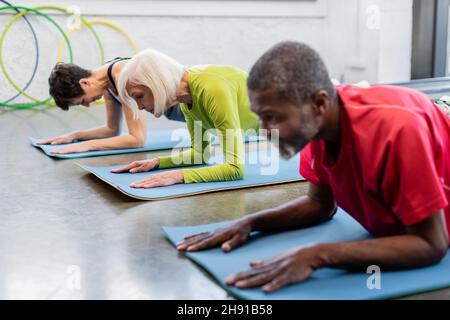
pixel 291 267
pixel 139 166
pixel 73 148
pixel 162 179
pixel 68 138
pixel 229 237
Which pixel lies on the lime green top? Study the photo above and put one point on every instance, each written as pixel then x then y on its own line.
pixel 220 103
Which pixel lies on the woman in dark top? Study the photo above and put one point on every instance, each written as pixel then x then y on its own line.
pixel 73 85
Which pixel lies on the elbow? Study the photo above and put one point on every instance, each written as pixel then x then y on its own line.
pixel 324 209
pixel 113 132
pixel 330 212
pixel 434 252
pixel 438 246
pixel 238 172
pixel 139 141
pixel 139 144
pixel 438 252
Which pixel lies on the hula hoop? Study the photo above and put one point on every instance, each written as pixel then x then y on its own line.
pixel 105 23
pixel 86 23
pixel 70 31
pixel 2 66
pixel 36 59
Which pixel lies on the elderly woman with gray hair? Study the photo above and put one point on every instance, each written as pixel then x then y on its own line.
pixel 211 97
pixel 70 85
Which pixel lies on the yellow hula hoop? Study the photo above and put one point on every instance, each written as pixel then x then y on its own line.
pixel 110 24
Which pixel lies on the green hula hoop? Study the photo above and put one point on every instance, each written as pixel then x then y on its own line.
pixel 85 23
pixel 2 66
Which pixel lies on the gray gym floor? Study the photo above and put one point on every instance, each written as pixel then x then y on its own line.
pixel 59 224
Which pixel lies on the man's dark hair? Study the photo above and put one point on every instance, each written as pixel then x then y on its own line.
pixel 294 70
pixel 64 82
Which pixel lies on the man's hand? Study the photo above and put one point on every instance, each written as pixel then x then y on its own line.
pixel 229 237
pixel 74 148
pixel 138 166
pixel 303 212
pixel 160 180
pixel 291 267
pixel 68 138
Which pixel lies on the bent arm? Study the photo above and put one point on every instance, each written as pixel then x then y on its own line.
pixel 220 106
pixel 198 154
pixel 106 138
pixel 314 208
pixel 110 129
pixel 424 244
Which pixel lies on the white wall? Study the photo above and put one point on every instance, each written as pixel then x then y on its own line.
pixel 359 39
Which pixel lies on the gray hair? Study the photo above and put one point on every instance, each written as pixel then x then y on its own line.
pixel 154 70
pixel 294 70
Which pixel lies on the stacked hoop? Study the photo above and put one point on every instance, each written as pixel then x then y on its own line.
pixel 21 13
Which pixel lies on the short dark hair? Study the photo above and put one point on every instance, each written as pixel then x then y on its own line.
pixel 64 82
pixel 293 69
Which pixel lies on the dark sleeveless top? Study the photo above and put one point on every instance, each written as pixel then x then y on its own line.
pixel 173 113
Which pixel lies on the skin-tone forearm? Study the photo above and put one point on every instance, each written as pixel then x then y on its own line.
pixel 314 208
pixel 117 142
pixel 424 244
pixel 299 213
pixel 95 133
pixel 389 253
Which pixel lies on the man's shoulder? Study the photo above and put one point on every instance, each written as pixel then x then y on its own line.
pixel 382 95
pixel 384 108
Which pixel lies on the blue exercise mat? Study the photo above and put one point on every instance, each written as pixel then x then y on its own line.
pixel 325 283
pixel 156 140
pixel 256 174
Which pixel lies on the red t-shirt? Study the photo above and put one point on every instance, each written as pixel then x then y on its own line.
pixel 393 167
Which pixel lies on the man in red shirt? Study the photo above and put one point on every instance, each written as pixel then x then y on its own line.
pixel 380 153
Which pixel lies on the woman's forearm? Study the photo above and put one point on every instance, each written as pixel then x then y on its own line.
pixel 220 172
pixel 95 133
pixel 117 142
pixel 183 159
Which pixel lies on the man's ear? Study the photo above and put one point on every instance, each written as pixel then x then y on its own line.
pixel 320 100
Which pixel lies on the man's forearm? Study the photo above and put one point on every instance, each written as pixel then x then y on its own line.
pixel 389 253
pixel 299 213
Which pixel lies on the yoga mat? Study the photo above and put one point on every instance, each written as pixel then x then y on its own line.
pixel 325 283
pixel 156 140
pixel 256 174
